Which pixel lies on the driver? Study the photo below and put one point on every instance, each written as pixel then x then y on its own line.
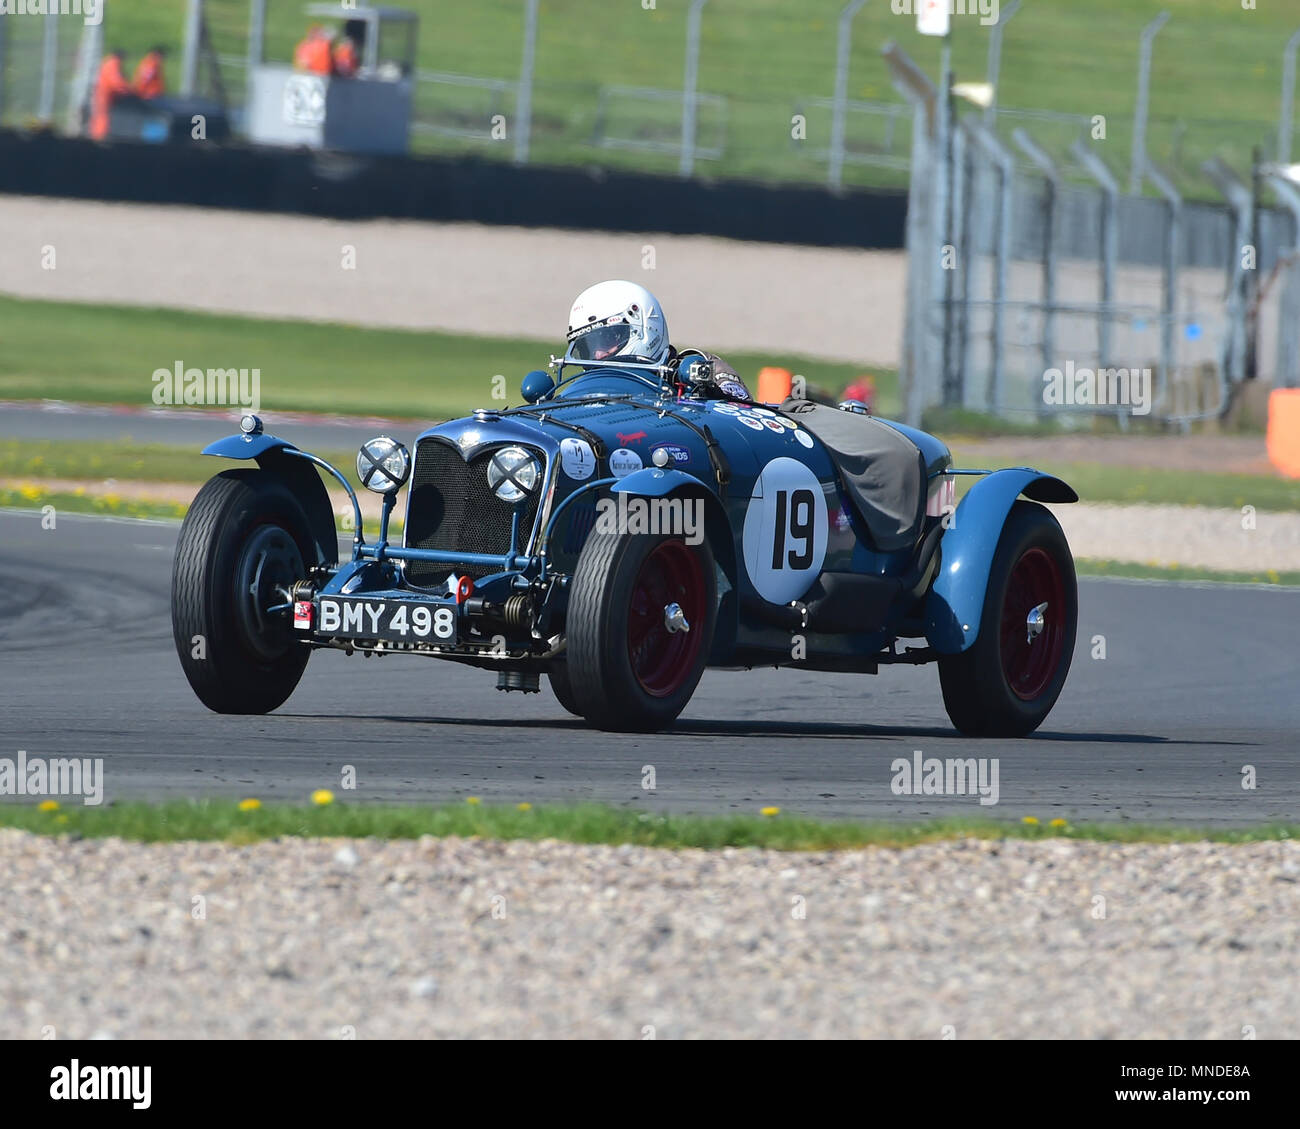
pixel 622 321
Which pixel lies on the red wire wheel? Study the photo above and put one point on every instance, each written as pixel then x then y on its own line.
pixel 662 660
pixel 1029 662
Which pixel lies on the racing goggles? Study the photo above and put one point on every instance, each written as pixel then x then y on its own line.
pixel 596 342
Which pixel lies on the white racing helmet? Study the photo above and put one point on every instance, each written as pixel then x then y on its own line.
pixel 617 321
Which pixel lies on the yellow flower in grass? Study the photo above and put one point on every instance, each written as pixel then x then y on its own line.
pixel 250 804
pixel 48 805
pixel 1031 820
pixel 473 801
pixel 1058 823
pixel 769 812
pixel 525 806
pixel 322 796
pixel 28 492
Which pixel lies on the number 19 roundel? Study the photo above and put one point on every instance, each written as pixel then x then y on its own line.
pixel 785 531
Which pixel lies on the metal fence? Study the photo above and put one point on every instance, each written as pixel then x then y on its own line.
pixel 1029 252
pixel 702 112
pixel 1032 295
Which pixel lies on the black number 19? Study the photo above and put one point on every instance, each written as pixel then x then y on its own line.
pixel 795 509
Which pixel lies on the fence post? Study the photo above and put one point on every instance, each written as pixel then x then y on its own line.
pixel 689 81
pixel 90 50
pixel 1109 186
pixel 957 328
pixel 995 58
pixel 1139 155
pixel 1288 355
pixel 1288 100
pixel 1052 174
pixel 1241 200
pixel 1173 233
pixel 256 35
pixel 524 92
pixel 842 50
pixel 49 69
pixel 998 154
pixel 190 57
pixel 922 251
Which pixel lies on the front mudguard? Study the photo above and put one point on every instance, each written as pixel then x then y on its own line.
pixel 301 478
pixel 657 482
pixel 955 604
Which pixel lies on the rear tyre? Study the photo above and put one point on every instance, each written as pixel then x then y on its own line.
pixel 558 675
pixel 1007 682
pixel 240 550
pixel 629 669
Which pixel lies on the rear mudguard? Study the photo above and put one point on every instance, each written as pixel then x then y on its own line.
pixel 956 600
pixel 298 474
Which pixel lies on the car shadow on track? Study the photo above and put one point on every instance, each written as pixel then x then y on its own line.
pixel 750 730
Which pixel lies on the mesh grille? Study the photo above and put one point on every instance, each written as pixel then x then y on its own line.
pixel 452 508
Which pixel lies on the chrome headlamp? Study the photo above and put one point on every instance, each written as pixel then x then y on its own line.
pixel 383 464
pixel 513 474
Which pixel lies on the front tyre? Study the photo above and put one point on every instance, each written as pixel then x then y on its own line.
pixel 640 625
pixel 1006 683
pixel 558 675
pixel 240 550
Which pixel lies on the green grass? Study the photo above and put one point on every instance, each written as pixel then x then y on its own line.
pixel 1102 482
pixel 222 820
pixel 1127 569
pixel 1215 84
pixel 34 459
pixel 109 354
pixel 33 497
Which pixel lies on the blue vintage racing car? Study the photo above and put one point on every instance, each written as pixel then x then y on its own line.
pixel 621 530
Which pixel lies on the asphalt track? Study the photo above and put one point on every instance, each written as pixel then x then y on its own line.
pixel 1197 682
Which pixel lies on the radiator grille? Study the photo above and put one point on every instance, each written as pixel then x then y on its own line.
pixel 452 508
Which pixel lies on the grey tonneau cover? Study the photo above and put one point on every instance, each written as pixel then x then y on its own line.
pixel 883 471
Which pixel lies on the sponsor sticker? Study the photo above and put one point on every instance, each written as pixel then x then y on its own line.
pixel 750 422
pixel 577 459
pixel 788 424
pixel 772 425
pixel 680 456
pixel 804 438
pixel 727 409
pixel 624 462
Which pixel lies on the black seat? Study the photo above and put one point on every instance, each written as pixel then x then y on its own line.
pixel 882 470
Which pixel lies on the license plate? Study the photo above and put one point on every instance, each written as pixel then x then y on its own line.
pixel 409 621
